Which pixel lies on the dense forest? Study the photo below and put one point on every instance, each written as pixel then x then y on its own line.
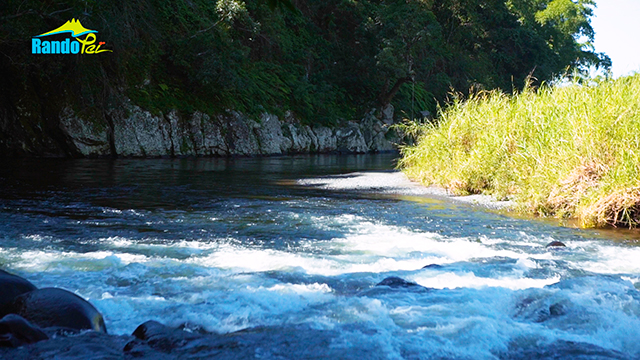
pixel 322 60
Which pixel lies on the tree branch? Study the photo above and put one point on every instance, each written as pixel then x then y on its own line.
pixel 386 96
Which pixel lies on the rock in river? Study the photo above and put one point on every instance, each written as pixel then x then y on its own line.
pixel 556 244
pixel 52 307
pixel 12 286
pixel 16 331
pixel 396 282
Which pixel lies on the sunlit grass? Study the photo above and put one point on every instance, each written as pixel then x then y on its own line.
pixel 569 151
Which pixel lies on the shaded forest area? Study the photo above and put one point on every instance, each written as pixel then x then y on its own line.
pixel 323 60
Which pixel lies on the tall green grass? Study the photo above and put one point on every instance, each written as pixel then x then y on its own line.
pixel 566 151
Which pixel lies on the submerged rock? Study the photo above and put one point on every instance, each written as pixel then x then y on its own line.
pixel 82 346
pixel 52 307
pixel 560 349
pixel 541 308
pixel 12 286
pixel 160 337
pixel 433 266
pixel 558 309
pixel 396 282
pixel 16 331
pixel 556 244
pixel 154 340
pixel 393 284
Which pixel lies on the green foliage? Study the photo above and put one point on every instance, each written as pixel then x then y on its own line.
pixel 570 18
pixel 323 60
pixel 571 150
pixel 414 98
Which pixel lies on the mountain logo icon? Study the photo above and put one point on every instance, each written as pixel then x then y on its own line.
pixel 73 44
pixel 73 26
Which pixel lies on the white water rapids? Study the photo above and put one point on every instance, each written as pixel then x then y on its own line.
pixel 295 254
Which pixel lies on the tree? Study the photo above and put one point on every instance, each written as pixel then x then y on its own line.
pixel 328 60
pixel 408 35
pixel 566 28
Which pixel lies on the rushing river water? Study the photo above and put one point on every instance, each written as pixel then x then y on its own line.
pixel 230 244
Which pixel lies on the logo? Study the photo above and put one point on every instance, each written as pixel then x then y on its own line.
pixel 73 45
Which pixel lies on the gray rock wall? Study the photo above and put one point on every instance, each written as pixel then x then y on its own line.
pixel 135 132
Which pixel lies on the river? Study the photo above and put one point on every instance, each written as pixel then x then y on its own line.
pixel 229 244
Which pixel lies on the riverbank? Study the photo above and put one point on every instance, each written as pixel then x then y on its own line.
pixel 397 183
pixel 569 151
pixel 130 131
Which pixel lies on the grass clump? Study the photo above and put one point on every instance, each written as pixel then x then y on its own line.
pixel 566 151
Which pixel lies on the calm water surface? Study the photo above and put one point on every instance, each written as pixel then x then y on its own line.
pixel 229 244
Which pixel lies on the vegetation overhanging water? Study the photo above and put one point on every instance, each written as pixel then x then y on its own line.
pixel 567 151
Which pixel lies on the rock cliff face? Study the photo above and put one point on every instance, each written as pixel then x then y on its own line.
pixel 130 131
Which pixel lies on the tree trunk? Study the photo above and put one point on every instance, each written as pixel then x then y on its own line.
pixel 386 96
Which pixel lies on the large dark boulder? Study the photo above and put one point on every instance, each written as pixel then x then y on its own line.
pixel 52 307
pixel 10 287
pixel 161 337
pixel 88 345
pixel 16 331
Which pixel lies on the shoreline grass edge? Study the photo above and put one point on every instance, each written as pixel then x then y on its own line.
pixel 568 151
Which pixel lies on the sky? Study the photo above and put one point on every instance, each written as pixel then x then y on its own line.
pixel 617 27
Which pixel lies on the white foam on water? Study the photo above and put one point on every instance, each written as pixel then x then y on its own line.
pixel 155 248
pixel 464 324
pixel 242 259
pixel 379 238
pixel 44 260
pixel 111 211
pixel 224 285
pixel 228 307
pixel 601 311
pixel 451 280
pixel 383 249
pixel 607 259
pixel 300 288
